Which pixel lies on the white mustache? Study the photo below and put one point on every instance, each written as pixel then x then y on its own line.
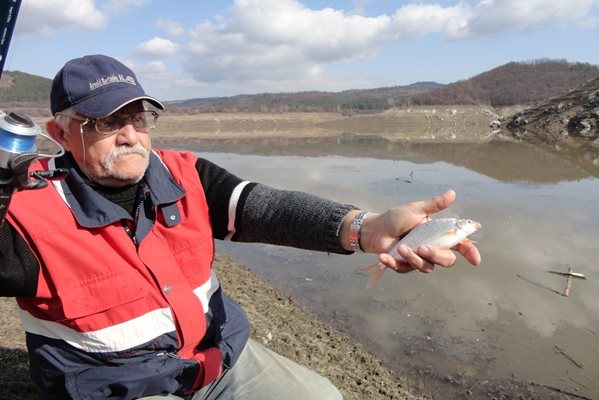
pixel 122 150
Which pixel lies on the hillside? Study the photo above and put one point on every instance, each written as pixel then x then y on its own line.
pixel 364 100
pixel 570 120
pixel 515 83
pixel 567 125
pixel 511 84
pixel 25 93
pixel 19 86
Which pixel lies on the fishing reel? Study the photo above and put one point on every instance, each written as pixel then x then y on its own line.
pixel 18 150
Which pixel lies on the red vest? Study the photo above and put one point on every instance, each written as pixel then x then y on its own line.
pixel 101 294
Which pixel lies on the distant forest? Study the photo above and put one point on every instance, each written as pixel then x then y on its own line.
pixel 521 83
pixel 514 83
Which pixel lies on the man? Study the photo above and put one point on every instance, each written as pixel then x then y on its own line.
pixel 111 267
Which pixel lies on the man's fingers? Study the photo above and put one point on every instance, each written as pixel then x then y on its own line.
pixel 444 258
pixel 425 258
pixel 396 265
pixel 469 251
pixel 413 259
pixel 435 204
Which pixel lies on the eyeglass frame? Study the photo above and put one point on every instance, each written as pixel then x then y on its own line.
pixel 88 121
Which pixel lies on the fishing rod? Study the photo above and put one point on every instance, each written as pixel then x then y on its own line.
pixel 8 11
pixel 18 133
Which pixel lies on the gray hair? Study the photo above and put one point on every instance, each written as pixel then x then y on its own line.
pixel 63 118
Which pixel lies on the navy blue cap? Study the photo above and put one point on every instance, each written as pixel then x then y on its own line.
pixel 96 86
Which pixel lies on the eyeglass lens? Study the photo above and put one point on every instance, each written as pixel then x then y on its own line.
pixel 141 121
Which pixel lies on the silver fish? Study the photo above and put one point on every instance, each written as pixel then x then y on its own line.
pixel 443 233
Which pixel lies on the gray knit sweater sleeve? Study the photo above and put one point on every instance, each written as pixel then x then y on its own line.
pixel 290 218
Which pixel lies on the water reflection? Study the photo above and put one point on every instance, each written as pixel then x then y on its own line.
pixel 538 214
pixel 505 161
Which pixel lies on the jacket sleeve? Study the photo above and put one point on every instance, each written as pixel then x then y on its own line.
pixel 19 267
pixel 251 212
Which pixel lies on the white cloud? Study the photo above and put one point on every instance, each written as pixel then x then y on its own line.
pixel 157 47
pixel 282 40
pixel 153 67
pixel 48 16
pixel 152 76
pixel 123 7
pixel 170 26
pixel 265 41
pixel 493 16
pixel 153 70
pixel 420 19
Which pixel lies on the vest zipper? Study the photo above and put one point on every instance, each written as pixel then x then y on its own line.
pixel 129 232
pixel 140 204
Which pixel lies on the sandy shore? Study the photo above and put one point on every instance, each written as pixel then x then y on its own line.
pixel 446 123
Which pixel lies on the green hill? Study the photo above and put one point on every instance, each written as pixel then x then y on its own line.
pixel 18 86
pixel 515 83
pixel 360 100
pixel 512 83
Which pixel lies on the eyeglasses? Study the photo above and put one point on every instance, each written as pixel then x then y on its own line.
pixel 142 121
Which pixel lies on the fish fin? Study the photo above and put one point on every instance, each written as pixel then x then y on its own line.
pixel 376 272
pixel 450 233
pixel 371 268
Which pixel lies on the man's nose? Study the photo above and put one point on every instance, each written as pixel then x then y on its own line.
pixel 127 133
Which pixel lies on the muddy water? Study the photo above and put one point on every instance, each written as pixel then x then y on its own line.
pixel 465 326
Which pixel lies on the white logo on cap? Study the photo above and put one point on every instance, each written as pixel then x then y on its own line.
pixel 100 82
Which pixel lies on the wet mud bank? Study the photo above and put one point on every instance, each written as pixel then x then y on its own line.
pixel 318 342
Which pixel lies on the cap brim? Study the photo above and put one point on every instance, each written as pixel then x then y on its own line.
pixel 106 103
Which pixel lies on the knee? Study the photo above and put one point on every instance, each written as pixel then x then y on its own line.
pixel 328 391
pixel 333 394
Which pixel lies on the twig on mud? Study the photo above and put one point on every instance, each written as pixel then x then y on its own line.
pixel 568 356
pixel 562 391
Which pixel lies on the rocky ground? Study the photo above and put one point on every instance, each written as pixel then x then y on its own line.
pixel 280 324
pixel 276 321
pixel 567 124
pixel 572 118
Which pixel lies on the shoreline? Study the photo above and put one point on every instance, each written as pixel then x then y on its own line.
pixel 277 322
pixel 281 324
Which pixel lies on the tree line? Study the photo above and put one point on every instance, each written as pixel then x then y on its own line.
pixel 514 83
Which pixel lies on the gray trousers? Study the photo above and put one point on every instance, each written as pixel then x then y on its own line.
pixel 261 374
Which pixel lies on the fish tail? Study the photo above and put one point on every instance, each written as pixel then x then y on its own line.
pixel 376 272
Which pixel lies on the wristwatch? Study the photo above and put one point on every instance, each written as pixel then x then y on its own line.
pixel 355 231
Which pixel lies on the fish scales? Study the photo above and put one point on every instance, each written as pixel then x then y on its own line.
pixel 438 233
pixel 442 233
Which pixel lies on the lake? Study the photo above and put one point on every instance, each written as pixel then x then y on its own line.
pixel 507 318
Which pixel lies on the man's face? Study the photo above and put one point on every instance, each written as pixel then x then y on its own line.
pixel 115 160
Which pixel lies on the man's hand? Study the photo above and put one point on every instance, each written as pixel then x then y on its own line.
pixel 380 231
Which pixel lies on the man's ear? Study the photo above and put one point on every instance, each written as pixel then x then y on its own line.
pixel 57 133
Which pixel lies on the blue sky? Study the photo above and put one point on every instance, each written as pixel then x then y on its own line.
pixel 185 49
